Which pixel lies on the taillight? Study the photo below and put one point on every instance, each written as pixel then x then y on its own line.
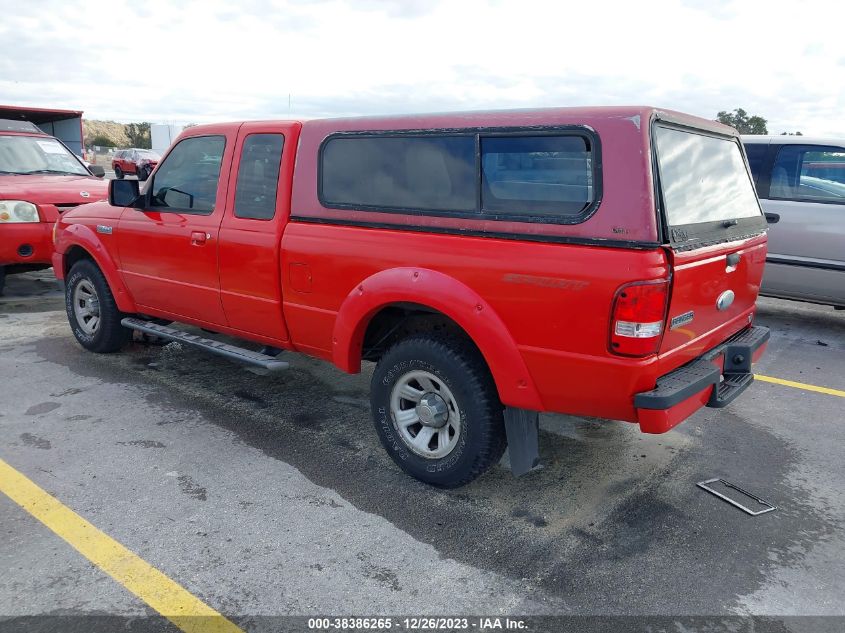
pixel 636 324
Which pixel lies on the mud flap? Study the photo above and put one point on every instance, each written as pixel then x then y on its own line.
pixel 522 428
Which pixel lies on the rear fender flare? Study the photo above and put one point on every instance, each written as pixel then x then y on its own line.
pixel 452 298
pixel 82 236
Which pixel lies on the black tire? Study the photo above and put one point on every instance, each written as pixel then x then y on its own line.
pixel 2 279
pixel 118 172
pixel 143 173
pixel 461 368
pixel 110 335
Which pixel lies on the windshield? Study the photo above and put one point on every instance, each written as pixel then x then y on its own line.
pixel 703 178
pixel 37 155
pixel 148 154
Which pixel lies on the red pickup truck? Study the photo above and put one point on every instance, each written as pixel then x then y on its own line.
pixel 593 261
pixel 40 178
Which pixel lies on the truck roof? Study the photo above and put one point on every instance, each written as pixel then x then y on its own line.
pixel 498 118
pixel 786 139
pixel 24 127
pixel 521 117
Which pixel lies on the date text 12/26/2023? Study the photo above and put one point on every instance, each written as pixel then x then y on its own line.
pixel 416 624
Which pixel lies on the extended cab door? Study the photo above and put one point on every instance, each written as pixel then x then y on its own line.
pixel 716 237
pixel 168 248
pixel 257 210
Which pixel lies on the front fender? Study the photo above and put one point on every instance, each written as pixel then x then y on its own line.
pixel 449 296
pixel 82 236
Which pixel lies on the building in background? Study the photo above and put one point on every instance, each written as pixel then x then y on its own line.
pixel 65 125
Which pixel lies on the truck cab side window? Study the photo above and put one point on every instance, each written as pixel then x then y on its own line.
pixel 187 179
pixel 258 176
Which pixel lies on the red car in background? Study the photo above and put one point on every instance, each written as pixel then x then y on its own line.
pixel 40 178
pixel 140 162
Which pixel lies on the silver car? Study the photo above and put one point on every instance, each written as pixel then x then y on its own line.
pixel 801 185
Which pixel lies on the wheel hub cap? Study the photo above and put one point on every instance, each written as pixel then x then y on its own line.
pixel 433 411
pixel 425 414
pixel 86 307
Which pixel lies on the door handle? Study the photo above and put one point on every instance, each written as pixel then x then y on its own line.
pixel 199 238
pixel 733 259
pixel 772 218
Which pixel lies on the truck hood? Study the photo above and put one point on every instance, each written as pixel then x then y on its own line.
pixel 53 189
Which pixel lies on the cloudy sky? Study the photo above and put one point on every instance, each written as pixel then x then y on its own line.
pixel 169 61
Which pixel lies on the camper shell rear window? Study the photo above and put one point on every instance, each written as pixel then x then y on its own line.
pixel 706 192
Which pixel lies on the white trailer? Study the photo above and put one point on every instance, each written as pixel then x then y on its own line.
pixel 162 135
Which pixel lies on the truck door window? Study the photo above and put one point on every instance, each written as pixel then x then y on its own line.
pixel 807 173
pixel 258 176
pixel 187 179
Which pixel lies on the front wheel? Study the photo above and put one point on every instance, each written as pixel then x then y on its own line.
pixel 436 410
pixel 143 173
pixel 92 311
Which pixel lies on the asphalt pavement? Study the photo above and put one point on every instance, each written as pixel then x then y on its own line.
pixel 268 495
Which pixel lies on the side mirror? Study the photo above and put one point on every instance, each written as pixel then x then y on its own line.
pixel 176 198
pixel 772 218
pixel 97 170
pixel 122 193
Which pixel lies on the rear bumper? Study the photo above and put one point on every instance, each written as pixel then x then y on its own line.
pixel 26 243
pixel 714 379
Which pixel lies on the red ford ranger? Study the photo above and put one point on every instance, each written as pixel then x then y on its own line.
pixel 39 179
pixel 593 261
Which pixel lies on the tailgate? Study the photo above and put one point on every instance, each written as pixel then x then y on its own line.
pixel 713 289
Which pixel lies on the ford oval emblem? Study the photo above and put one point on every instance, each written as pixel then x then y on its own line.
pixel 84 194
pixel 725 300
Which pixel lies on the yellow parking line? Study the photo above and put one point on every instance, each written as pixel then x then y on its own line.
pixel 175 603
pixel 800 385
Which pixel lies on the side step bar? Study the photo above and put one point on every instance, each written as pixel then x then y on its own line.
pixel 215 347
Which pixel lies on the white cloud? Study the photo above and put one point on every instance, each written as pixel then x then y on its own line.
pixel 201 61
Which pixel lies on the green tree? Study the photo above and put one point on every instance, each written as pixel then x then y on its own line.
pixel 139 135
pixel 101 140
pixel 742 122
pixel 791 134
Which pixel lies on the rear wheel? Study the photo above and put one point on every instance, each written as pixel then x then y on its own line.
pixel 2 279
pixel 91 310
pixel 118 172
pixel 436 410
